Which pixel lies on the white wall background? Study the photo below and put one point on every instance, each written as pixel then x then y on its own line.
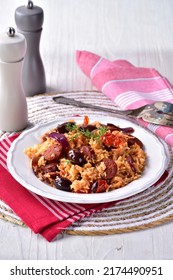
pixel 139 30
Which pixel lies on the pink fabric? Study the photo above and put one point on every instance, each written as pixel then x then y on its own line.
pixel 129 87
pixel 44 216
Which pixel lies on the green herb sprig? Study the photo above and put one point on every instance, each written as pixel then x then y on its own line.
pixel 94 135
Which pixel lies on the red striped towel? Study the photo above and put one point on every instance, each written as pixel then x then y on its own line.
pixel 44 216
pixel 129 87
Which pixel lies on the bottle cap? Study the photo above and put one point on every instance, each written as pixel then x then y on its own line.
pixel 29 18
pixel 12 46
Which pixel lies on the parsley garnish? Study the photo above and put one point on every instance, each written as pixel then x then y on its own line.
pixel 71 127
pixel 99 133
pixel 95 135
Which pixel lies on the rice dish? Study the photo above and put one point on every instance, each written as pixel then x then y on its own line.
pixel 88 157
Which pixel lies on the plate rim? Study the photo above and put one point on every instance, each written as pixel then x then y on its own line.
pixel 81 198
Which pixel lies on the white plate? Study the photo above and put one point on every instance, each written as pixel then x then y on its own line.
pixel 19 165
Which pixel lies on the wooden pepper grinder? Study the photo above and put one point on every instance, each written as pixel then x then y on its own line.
pixel 29 21
pixel 13 106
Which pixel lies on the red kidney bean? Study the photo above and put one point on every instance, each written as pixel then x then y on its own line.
pixel 76 157
pixel 62 184
pixel 63 128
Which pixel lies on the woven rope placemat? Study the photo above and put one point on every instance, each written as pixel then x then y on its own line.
pixel 150 208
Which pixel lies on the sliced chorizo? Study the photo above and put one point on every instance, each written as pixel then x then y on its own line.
pixel 53 152
pixel 50 167
pixel 88 152
pixel 111 168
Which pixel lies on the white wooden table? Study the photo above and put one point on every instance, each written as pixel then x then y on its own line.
pixel 134 30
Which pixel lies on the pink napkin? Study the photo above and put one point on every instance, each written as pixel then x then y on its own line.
pixel 44 216
pixel 128 86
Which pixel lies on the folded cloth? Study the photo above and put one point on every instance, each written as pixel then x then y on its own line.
pixel 44 216
pixel 129 87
